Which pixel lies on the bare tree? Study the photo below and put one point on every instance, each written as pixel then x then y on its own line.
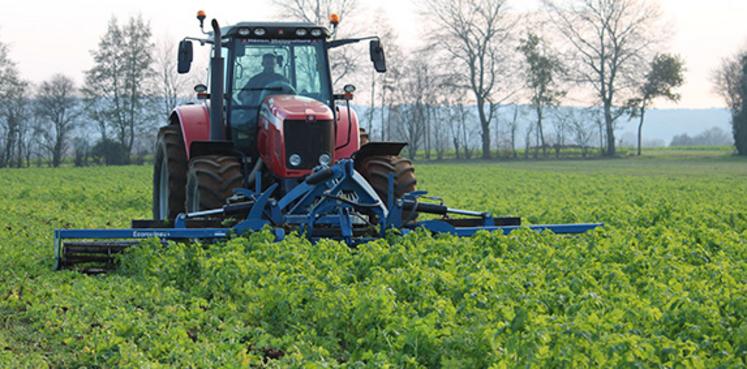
pixel 388 98
pixel 442 121
pixel 440 124
pixel 597 117
pixel 455 111
pixel 739 121
pixel 411 109
pixel 7 71
pixel 431 85
pixel 727 78
pixel 731 82
pixel 609 39
pixel 582 130
pixel 455 117
pixel 14 112
pixel 169 86
pixel 513 127
pixel 29 138
pixel 57 107
pixel 475 34
pixel 17 114
pixel 528 139
pixel 116 88
pixel 316 11
pixel 562 124
pixel 382 83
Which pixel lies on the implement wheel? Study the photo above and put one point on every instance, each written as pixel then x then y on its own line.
pixel 211 180
pixel 169 173
pixel 376 170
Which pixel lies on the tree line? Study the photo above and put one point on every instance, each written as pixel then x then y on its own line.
pixel 110 119
pixel 485 80
pixel 481 57
pixel 573 72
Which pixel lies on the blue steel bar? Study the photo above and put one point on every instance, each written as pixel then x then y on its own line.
pixel 144 233
pixel 443 227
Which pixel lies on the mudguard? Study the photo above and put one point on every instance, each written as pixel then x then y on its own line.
pixel 194 122
pixel 379 149
pixel 348 135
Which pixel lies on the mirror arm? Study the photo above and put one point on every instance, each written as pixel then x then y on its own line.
pixel 347 41
pixel 202 41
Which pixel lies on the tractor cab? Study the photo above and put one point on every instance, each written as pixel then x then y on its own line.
pixel 252 61
pixel 264 59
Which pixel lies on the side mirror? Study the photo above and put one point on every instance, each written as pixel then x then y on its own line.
pixel 377 56
pixel 185 56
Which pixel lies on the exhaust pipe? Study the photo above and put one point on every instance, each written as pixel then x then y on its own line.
pixel 216 87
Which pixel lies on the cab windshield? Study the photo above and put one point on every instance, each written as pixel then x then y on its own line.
pixel 268 67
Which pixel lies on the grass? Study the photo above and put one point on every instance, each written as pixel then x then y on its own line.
pixel 662 285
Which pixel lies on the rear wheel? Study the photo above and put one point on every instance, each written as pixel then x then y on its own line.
pixel 169 173
pixel 211 180
pixel 376 170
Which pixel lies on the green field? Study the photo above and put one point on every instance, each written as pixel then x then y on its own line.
pixel 662 285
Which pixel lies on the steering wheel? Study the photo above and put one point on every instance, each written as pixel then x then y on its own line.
pixel 277 88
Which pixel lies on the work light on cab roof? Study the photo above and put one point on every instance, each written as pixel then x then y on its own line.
pixel 272 145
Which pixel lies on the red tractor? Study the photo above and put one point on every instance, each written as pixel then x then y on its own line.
pixel 273 150
pixel 271 110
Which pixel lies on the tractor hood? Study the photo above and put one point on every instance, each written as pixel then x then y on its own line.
pixel 278 108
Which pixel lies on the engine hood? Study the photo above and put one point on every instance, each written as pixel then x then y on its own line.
pixel 278 108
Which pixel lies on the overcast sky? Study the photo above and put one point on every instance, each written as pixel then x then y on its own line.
pixel 47 37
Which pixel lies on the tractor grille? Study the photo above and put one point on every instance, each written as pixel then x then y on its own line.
pixel 309 140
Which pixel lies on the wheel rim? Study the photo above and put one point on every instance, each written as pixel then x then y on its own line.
pixel 193 195
pixel 196 201
pixel 163 190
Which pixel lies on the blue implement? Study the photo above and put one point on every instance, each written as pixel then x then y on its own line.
pixel 334 202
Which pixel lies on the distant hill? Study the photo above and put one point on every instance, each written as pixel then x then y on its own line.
pixel 664 124
pixel 660 127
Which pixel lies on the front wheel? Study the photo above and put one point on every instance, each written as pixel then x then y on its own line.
pixel 169 174
pixel 211 180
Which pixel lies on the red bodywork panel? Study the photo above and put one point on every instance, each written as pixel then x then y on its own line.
pixel 271 141
pixel 342 133
pixel 279 108
pixel 194 121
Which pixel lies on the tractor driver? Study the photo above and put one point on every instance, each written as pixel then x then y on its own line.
pixel 253 89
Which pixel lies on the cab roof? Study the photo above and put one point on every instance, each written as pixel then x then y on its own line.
pixel 274 30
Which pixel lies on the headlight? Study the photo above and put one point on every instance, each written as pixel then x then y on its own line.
pixel 294 160
pixel 324 159
pixel 260 32
pixel 301 32
pixel 316 32
pixel 244 32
